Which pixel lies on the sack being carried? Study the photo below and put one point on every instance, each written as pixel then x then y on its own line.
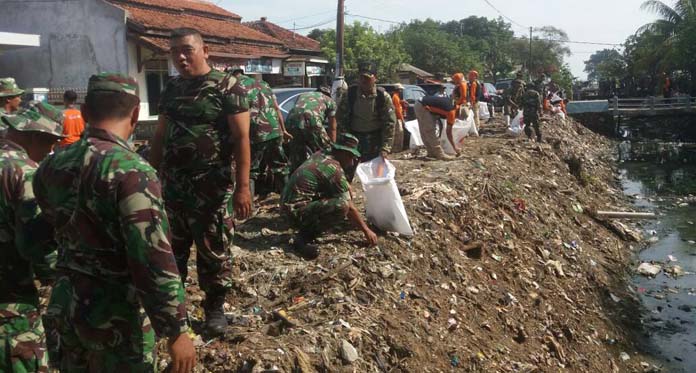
pixel 444 103
pixel 383 205
pixel 516 125
pixel 415 139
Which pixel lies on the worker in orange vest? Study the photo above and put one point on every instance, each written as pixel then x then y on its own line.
pixel 73 124
pixel 459 95
pixel 475 95
pixel 399 111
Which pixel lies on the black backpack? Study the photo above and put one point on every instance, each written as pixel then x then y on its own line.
pixel 353 96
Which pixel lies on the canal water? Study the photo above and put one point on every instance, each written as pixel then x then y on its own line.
pixel 661 177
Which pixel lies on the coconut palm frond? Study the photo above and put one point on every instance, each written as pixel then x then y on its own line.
pixel 663 10
pixel 660 27
pixel 686 8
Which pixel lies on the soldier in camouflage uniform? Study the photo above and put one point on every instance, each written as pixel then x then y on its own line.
pixel 118 283
pixel 367 112
pixel 269 164
pixel 27 248
pixel 10 96
pixel 306 125
pixel 513 96
pixel 203 131
pixel 317 196
pixel 531 106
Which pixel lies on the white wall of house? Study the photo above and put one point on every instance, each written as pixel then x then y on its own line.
pixel 140 77
pixel 77 39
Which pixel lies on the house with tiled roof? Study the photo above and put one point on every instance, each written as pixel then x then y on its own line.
pixel 82 37
pixel 305 66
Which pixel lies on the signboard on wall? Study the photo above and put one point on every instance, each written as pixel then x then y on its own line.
pixel 315 70
pixel 294 69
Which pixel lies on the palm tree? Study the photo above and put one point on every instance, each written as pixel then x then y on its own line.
pixel 672 18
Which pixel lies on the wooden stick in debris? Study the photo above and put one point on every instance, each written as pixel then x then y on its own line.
pixel 626 215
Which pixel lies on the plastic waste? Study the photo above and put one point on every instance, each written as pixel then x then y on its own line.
pixel 383 204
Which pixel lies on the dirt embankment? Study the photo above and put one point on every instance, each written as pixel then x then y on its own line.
pixel 507 272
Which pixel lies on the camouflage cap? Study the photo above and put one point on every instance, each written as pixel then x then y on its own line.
pixel 48 110
pixel 9 88
pixel 347 142
pixel 112 82
pixel 31 120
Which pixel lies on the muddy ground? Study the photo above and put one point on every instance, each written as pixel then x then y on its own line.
pixel 507 272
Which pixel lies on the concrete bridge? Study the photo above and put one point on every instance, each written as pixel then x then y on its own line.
pixel 662 114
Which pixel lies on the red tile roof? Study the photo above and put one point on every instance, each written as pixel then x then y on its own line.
pixel 241 50
pixel 159 20
pixel 291 39
pixel 195 6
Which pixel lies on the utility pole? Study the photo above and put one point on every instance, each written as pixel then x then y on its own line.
pixel 529 68
pixel 338 76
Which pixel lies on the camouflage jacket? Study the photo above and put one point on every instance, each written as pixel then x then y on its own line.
pixel 117 231
pixel 320 177
pixel 376 119
pixel 195 110
pixel 531 102
pixel 265 123
pixel 513 95
pixel 27 248
pixel 315 103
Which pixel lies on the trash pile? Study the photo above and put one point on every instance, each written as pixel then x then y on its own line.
pixel 507 271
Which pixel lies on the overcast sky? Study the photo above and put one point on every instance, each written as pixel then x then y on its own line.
pixel 604 21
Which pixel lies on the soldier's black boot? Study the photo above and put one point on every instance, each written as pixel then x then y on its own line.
pixel 215 320
pixel 303 246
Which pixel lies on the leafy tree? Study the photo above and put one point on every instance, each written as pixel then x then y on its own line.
pixel 363 43
pixel 605 64
pixel 316 34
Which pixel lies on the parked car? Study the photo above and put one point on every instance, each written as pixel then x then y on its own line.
pixel 503 84
pixel 287 98
pixel 412 93
pixel 495 96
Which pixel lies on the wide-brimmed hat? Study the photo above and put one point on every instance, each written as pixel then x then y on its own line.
pixel 347 142
pixel 32 121
pixel 9 88
pixel 399 86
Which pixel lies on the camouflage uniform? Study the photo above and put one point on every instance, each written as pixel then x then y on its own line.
pixel 306 125
pixel 267 154
pixel 531 106
pixel 27 251
pixel 513 97
pixel 371 123
pixel 118 282
pixel 8 88
pixel 197 173
pixel 317 195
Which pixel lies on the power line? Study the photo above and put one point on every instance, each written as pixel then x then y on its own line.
pixel 315 25
pixel 503 15
pixel 287 20
pixel 373 18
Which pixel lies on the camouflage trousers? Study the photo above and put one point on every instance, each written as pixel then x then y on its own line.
pixel 532 120
pixel 22 339
pixel 370 144
pixel 102 326
pixel 269 166
pixel 312 218
pixel 308 137
pixel 201 211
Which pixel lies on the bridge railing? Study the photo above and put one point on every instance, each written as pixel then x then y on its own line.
pixel 651 104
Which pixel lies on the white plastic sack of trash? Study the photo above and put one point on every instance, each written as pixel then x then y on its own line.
pixel 383 204
pixel 414 130
pixel 483 111
pixel 460 130
pixel 515 128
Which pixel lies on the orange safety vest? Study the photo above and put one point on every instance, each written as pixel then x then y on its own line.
pixel 473 93
pixel 398 108
pixel 450 115
pixel 459 95
pixel 73 126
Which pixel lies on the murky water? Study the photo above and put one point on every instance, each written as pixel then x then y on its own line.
pixel 662 177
